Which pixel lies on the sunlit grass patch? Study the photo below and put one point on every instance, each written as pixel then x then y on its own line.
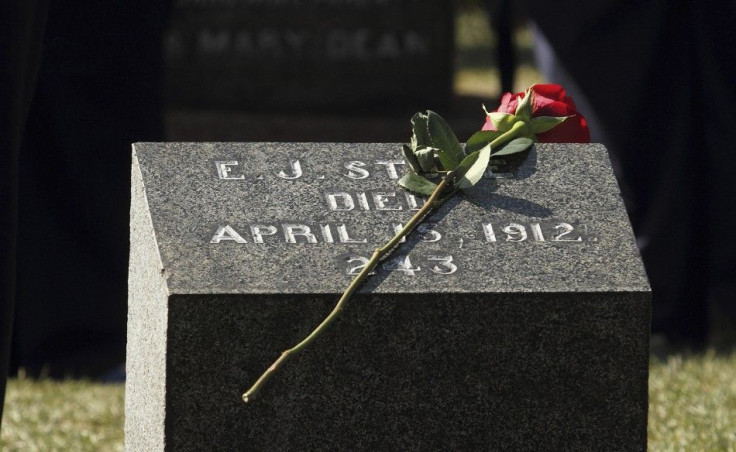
pixel 692 402
pixel 71 415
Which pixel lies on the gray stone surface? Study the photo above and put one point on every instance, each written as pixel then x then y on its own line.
pixel 145 409
pixel 289 55
pixel 534 344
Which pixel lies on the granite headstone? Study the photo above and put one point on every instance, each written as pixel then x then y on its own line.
pixel 516 317
pixel 321 55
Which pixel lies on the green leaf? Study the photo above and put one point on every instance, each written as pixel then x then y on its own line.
pixel 472 168
pixel 443 138
pixel 425 157
pixel 480 139
pixel 524 107
pixel 417 184
pixel 420 131
pixel 542 124
pixel 514 147
pixel 502 121
pixel 410 158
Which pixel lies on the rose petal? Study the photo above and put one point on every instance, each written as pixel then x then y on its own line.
pixel 505 101
pixel 551 108
pixel 550 91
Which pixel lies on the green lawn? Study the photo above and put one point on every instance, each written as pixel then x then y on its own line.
pixel 71 415
pixel 692 406
pixel 692 403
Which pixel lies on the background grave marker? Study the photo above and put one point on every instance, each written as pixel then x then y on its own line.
pixel 334 56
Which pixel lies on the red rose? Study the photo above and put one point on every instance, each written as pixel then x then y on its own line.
pixel 548 100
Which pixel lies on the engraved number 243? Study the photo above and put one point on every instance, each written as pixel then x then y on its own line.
pixel 442 265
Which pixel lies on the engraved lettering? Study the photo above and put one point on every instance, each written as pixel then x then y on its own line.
pixel 565 229
pixel 444 265
pixel 355 170
pixel 515 232
pixel 343 44
pixel 391 167
pixel 296 169
pixel 291 231
pixel 402 264
pixel 363 201
pixel 397 228
pixel 388 46
pixel 380 199
pixel 223 170
pixel 269 42
pixel 340 201
pixel 428 232
pixel 337 44
pixel 441 265
pixel 327 233
pixel 488 232
pixel 259 230
pixel 537 232
pixel 295 40
pixel 360 37
pixel 213 42
pixel 227 233
pixel 415 44
pixel 411 200
pixel 356 270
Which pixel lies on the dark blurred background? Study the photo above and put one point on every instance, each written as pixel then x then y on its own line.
pixel 83 80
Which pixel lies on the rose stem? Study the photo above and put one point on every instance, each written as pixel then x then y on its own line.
pixel 433 202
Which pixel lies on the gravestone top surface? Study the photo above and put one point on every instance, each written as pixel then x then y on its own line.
pixel 260 218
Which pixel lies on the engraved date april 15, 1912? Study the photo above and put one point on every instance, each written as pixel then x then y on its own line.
pixel 436 263
pixel 335 233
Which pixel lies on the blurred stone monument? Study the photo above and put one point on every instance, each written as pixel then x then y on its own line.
pixel 245 69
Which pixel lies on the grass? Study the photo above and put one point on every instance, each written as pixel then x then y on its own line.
pixel 692 406
pixel 48 415
pixel 692 402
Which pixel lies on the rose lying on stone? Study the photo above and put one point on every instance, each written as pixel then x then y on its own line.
pixel 551 113
pixel 438 166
